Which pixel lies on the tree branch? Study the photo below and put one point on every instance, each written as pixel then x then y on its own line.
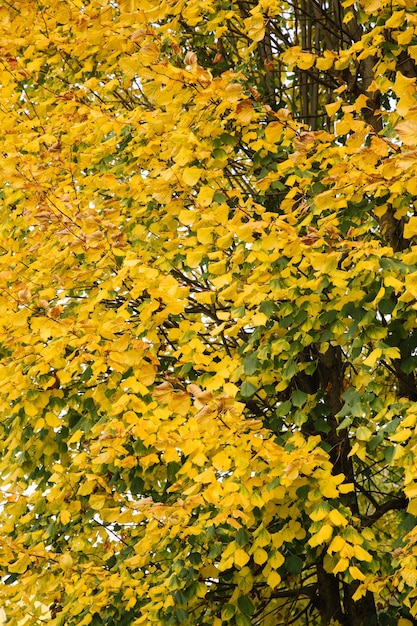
pixel 392 505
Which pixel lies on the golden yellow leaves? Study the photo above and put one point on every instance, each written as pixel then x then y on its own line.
pixel 373 6
pixel 295 56
pixel 244 112
pixel 333 107
pixel 205 197
pixel 200 228
pixel 407 131
pixel 191 175
pixel 326 61
pixel 322 536
pixel 255 27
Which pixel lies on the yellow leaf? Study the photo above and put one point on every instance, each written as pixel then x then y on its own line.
pixel 336 544
pixel 31 409
pixel 275 559
pixel 363 433
pixel 305 60
pixel 221 461
pixel 407 132
pixel 255 27
pixel 391 281
pixel 356 573
pixel 20 566
pixel 218 268
pixel 290 55
pixel 361 554
pixel 97 502
pixel 329 490
pixel 410 228
pixel 412 507
pixel 372 358
pixel 346 488
pixel 333 107
pixel 187 217
pixel 87 487
pixel 244 111
pixel 205 196
pixel 403 435
pixel 191 175
pixel 240 557
pixel 392 353
pixel 273 132
pixel 326 61
pixel 263 537
pixel 205 235
pixel 259 319
pixel 273 579
pixel 184 156
pixel 149 53
pixel 52 420
pixel 107 456
pixel 260 556
pixel 65 516
pixel 404 37
pixel 296 56
pixel 412 51
pixel 320 511
pixel 170 456
pixel 372 6
pixel 396 19
pixel 341 566
pixel 66 561
pixel 337 518
pixel 322 536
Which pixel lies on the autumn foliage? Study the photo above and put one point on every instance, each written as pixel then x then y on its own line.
pixel 208 334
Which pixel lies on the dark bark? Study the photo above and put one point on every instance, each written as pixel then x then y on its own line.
pixel 329 601
pixel 334 604
pixel 360 613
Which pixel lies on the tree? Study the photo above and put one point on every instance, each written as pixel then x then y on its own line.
pixel 208 312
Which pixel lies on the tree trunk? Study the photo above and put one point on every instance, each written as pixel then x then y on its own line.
pixel 335 600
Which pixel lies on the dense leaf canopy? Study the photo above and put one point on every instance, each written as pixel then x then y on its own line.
pixel 208 334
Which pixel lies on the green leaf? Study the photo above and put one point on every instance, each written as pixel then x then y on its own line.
pixel 268 307
pixel 363 433
pixel 228 611
pixel 293 564
pixel 322 426
pixel 219 197
pixel 389 454
pixel 220 154
pixel 392 426
pixel 250 364
pixel 245 605
pixel 247 390
pixel 283 409
pixel 409 365
pixel 242 537
pixel 243 620
pixel 195 558
pixel 352 406
pixel 376 441
pixel 298 398
pixel 181 615
pixel 386 306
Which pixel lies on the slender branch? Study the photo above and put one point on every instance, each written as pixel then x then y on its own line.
pixel 396 504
